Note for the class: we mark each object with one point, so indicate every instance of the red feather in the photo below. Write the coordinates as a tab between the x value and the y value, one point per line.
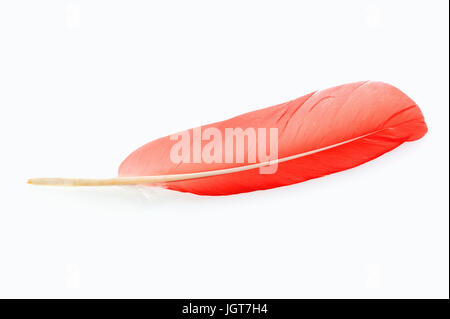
332	130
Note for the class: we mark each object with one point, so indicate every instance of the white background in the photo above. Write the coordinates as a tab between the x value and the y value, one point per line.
84	83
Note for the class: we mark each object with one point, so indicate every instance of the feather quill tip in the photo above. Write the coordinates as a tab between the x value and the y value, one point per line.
51	181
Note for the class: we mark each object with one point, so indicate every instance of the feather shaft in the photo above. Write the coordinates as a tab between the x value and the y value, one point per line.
55	181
